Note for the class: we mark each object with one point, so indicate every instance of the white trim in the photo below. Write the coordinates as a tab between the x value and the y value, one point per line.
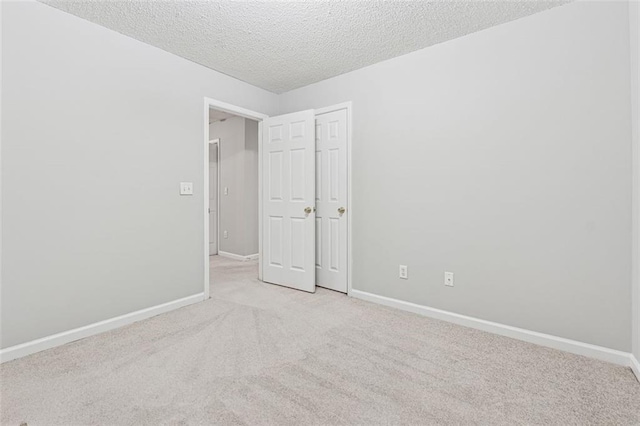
348	106
207	154
59	339
635	367
238	256
634	27
242	112
1	6
332	108
205	199
260	264
232	109
560	343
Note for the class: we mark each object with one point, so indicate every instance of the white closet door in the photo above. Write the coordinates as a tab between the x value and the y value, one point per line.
288	200
331	200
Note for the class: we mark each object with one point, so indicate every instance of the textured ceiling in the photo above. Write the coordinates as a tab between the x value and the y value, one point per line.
280	46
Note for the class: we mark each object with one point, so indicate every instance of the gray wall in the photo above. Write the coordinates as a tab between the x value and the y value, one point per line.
93	226
474	139
251	186
634	23
504	157
231	135
238	172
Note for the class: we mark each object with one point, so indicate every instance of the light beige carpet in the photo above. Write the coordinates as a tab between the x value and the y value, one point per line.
259	354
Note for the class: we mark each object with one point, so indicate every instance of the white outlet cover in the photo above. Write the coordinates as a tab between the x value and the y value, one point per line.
448	279
403	272
186	188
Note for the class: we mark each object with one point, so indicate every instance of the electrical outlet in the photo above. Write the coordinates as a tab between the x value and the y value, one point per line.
404	272
448	279
225	235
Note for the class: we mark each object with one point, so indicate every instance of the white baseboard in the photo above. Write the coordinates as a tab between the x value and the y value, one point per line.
58	339
560	343
635	367
238	256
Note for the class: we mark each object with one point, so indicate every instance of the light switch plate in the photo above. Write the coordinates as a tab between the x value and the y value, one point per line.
186	188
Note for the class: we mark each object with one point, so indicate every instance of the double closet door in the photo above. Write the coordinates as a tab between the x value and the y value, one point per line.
304	175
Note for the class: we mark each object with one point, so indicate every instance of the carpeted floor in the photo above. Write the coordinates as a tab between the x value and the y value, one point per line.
259	354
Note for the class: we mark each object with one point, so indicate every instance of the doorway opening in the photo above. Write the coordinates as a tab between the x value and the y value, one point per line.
280	192
233	199
226	178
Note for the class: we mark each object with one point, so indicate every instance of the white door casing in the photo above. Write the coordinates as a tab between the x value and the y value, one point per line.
331	200
288	175
213	198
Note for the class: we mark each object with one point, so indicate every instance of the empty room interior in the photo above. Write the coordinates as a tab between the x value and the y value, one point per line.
320	212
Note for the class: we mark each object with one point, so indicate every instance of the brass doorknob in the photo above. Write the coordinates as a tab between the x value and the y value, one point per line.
307	210
341	210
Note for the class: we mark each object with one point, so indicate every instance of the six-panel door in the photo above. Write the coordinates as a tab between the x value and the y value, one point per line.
289	198
331	200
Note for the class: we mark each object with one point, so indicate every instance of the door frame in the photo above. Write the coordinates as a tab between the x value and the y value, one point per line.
259	117
217	143
346	106
242	112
